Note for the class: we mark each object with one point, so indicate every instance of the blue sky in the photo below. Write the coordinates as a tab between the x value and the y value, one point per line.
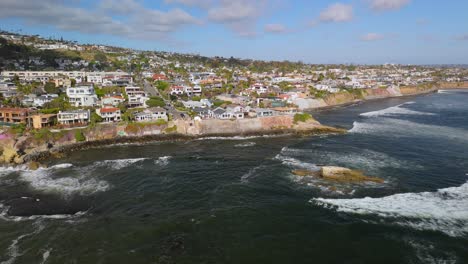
313	31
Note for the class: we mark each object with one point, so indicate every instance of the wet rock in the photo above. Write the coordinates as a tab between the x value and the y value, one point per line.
338	174
346	175
33	165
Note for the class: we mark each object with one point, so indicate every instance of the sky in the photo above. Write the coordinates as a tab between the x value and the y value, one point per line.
311	31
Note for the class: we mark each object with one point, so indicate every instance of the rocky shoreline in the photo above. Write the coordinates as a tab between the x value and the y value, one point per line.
35	157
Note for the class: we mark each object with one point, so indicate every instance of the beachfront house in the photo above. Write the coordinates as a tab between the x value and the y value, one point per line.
73	117
151	114
109	114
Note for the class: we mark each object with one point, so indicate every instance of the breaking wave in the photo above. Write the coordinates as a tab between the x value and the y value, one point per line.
405	128
119	163
245	145
162	161
395	110
445	210
6	217
292	162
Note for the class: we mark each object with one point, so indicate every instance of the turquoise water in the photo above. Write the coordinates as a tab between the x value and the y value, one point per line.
236	201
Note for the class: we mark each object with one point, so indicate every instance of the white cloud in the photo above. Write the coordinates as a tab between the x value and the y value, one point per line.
337	13
197	3
384	5
241	16
372	37
275	28
136	20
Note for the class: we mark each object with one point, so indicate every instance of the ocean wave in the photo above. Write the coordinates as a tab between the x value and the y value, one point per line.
360	159
118	163
13	250
395	110
295	163
245	145
162	161
240	137
6	217
404	128
445	210
251	173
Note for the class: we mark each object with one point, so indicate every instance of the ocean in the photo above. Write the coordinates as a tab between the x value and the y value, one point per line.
236	200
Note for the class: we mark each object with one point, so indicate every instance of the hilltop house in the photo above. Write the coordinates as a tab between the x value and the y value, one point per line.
82	95
112	100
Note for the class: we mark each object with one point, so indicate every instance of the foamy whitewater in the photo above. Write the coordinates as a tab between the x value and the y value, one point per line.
445	210
395	110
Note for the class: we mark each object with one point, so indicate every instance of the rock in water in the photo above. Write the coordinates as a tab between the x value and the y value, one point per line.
346	175
304	173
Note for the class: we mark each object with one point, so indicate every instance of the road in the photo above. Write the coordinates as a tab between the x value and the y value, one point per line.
153	91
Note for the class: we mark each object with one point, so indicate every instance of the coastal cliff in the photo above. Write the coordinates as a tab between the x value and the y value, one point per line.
345	97
42	144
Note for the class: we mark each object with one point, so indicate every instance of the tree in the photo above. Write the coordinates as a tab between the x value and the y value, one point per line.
95	118
155	101
101	57
161	85
73	82
51	88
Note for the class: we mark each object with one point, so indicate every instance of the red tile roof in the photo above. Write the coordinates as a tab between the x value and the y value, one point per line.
109	110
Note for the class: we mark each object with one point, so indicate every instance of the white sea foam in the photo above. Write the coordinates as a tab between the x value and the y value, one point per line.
4	216
162	161
445	210
292	162
13	249
46	255
119	163
405	128
245	145
395	110
251	173
240	137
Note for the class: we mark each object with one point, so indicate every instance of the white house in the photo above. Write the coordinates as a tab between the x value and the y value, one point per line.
73	117
137	100
151	114
113	100
109	114
82	95
259	88
177	90
39	101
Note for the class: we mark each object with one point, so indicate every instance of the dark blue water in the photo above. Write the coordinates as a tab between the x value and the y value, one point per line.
236	200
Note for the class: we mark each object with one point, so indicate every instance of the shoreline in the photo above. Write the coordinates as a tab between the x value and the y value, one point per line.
61	151
228	128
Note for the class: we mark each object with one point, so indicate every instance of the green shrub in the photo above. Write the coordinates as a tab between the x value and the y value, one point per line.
301	117
79	136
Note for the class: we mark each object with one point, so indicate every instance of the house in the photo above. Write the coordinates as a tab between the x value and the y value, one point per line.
74	117
137	100
261	112
259	88
82	95
134	90
203	112
39	101
177	90
235	108
112	100
195	90
159	77
109	114
218	113
14	115
43	120
151	114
